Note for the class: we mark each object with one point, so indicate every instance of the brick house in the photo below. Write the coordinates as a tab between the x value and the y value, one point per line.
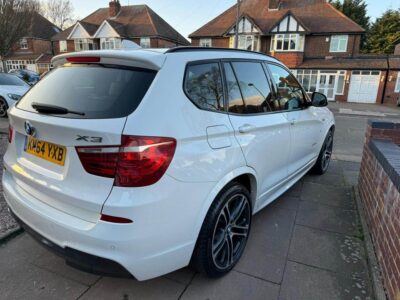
106	28
319	43
33	47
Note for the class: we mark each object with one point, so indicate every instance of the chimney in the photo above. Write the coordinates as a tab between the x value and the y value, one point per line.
274	4
114	8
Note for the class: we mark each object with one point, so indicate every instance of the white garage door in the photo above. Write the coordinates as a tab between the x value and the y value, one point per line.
364	86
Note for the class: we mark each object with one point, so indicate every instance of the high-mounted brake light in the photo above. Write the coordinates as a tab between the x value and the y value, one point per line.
83	59
117	220
10	134
139	161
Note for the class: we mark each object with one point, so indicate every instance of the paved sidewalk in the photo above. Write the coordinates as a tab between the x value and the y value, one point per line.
306	245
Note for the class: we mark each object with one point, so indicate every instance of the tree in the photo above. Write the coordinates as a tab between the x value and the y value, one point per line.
15	22
60	12
355	10
384	32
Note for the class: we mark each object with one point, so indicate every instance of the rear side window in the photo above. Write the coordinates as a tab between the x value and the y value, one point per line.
203	85
96	91
254	87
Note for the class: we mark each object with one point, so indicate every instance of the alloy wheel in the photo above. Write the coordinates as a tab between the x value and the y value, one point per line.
326	157
3	108
231	231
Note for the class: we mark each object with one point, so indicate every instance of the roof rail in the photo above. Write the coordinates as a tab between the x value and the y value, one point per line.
193	48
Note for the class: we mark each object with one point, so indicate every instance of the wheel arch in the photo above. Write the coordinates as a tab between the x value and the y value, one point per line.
245	175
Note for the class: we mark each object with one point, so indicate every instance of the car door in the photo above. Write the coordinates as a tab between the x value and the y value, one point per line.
262	132
306	123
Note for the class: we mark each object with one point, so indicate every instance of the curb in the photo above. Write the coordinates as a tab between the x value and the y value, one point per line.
4	237
374	268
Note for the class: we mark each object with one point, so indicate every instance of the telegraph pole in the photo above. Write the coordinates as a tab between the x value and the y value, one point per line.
237	25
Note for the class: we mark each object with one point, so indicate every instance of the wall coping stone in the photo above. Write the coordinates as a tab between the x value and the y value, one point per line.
379	124
388	155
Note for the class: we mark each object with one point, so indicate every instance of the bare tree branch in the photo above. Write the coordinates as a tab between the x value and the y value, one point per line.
60	12
15	22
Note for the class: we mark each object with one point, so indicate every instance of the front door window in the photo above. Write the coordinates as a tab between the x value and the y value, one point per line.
327	85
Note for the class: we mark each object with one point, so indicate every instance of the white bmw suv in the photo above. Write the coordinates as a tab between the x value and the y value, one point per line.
138	163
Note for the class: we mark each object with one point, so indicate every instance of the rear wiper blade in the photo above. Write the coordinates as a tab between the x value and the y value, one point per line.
52	109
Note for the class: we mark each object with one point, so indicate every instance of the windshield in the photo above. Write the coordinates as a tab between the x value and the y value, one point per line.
97	92
11	80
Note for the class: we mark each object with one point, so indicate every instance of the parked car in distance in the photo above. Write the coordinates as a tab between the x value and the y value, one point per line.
27	75
12	88
142	162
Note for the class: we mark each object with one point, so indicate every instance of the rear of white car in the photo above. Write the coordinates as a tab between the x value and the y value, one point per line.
113	167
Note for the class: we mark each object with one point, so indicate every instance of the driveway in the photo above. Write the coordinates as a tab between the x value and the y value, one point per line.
306	245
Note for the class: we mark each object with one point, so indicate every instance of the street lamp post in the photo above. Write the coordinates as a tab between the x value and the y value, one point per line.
237	25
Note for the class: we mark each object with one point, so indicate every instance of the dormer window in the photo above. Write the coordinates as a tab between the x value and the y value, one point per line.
23	43
287	42
339	43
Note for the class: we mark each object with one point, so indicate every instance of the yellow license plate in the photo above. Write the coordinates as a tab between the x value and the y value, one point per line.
45	150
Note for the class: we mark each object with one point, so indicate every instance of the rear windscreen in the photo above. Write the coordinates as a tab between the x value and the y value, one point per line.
97	92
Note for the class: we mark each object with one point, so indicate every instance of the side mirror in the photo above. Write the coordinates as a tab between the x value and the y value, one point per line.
319	100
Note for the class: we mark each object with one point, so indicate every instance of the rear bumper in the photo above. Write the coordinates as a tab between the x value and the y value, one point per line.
160	240
77	259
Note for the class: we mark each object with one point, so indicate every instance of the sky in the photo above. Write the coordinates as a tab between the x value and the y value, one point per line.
188	15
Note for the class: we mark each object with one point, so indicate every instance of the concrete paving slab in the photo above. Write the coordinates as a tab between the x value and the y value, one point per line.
303	282
258	263
329	179
234	286
115	288
57	265
329	251
329	195
25	281
285	202
295	191
272	230
20	249
327	217
183	276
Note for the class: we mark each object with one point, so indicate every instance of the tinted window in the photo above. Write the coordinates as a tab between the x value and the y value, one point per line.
289	92
98	92
203	85
11	80
235	100
255	89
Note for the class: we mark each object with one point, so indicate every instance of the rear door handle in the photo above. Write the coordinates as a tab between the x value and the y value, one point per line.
246	128
293	122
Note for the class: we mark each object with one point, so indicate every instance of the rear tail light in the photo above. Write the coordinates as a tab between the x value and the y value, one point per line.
139	161
10	134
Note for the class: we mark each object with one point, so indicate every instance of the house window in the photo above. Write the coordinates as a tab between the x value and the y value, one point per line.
248	42
397	88
145	42
205	43
110	43
308	79
63	46
287	42
23	43
339	43
84	44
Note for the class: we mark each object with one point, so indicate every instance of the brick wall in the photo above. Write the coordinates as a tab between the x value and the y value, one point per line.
219	42
319	45
397	49
290	59
391	96
379	187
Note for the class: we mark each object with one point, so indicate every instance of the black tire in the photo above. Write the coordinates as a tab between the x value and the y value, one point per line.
220	238
3	107
324	158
